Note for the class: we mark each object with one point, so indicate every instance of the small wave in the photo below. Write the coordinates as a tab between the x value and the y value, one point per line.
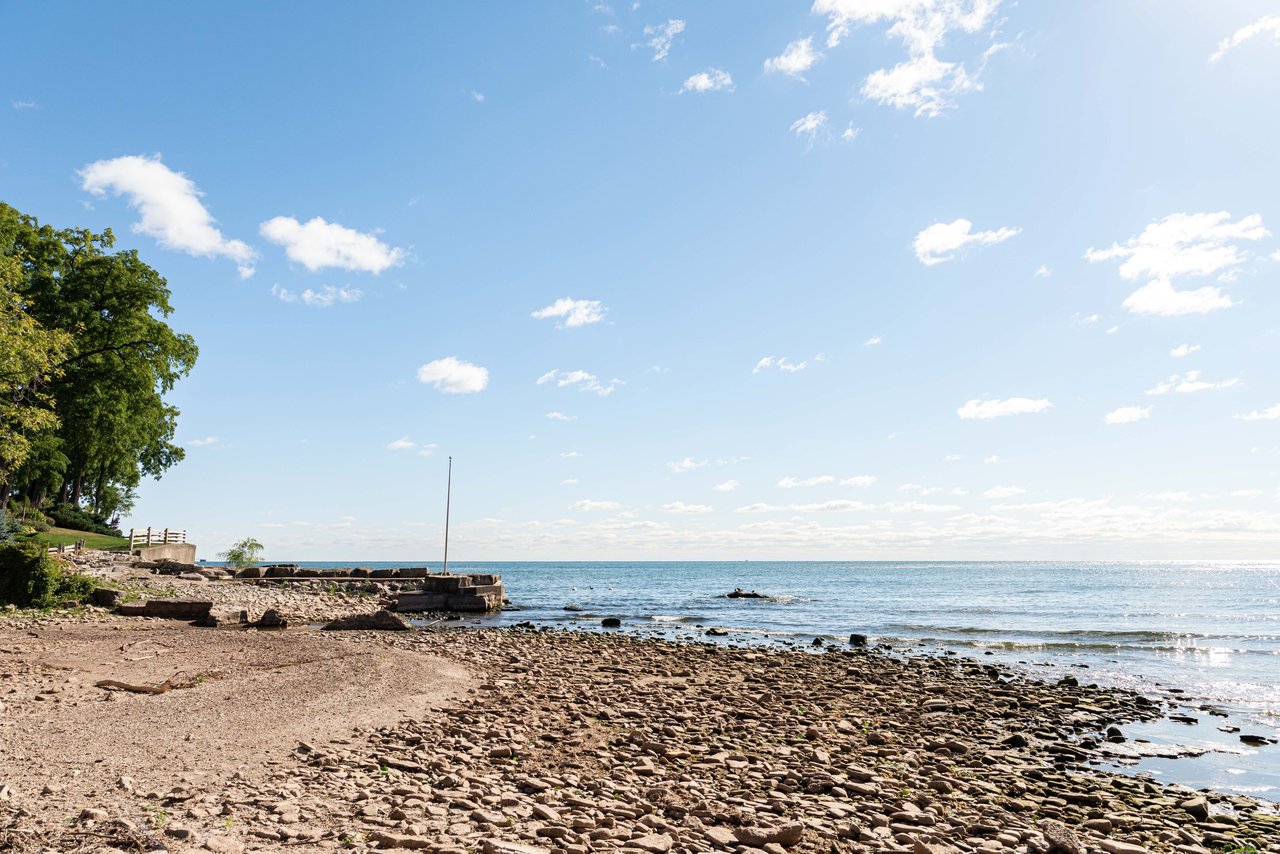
668	618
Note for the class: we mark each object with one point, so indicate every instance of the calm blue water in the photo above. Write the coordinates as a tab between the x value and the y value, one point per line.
1210	629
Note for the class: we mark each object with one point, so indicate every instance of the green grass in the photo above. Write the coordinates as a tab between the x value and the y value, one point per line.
69	537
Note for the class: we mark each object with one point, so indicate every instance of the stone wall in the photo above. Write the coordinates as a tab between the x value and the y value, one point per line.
180	552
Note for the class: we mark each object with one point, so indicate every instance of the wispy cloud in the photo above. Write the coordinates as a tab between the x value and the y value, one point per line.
1181	245
317	245
582	380
661	37
560	416
987	409
923	83
576	312
1190	382
454	376
323	298
859	480
169	203
588	504
1003	492
798	58
942	241
727	486
810	126
711	80
682	508
1184	350
687	464
793	482
1269	414
404	443
1266	25
781	363
1127	415
872	341
203	443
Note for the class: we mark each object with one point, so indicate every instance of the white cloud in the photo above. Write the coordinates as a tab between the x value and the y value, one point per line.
404	443
1003	492
569	481
1246	493
323	298
1190	382
317	244
570	455
711	80
942	240
810	125
918	489
922	82
727	486
919	507
1127	414
427	449
992	460
986	409
953	458
850	133
454	376
576	312
687	464
1160	298
779	362
478	97
583	380
872	341
588	504
24	105
792	482
560	416
1168	496
1269	414
681	507
203	443
1268	24
662	36
1182	244
838	505
1113	330
1184	350
859	480
1043	272
798	58
169	203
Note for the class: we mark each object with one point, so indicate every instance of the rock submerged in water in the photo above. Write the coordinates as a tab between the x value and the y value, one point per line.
739	593
382	620
611	623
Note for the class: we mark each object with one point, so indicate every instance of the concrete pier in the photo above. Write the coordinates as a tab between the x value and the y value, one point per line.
472	593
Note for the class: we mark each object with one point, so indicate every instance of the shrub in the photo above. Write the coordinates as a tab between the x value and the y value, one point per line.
30	578
243	554
9	527
70	516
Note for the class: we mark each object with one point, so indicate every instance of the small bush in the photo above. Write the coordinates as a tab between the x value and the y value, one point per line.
70	516
30	578
9	527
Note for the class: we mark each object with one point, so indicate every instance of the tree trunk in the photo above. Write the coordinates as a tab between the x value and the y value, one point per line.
77	488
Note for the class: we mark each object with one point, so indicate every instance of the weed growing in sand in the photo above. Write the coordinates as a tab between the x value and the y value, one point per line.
1237	847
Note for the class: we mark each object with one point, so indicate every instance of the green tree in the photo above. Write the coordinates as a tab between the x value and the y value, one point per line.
30	357
245	553
115	427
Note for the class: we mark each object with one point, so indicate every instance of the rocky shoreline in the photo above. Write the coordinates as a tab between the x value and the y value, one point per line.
572	743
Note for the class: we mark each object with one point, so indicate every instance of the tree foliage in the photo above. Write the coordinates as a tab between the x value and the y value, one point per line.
245	553
97	422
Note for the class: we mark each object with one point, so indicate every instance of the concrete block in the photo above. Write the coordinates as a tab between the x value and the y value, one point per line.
180	552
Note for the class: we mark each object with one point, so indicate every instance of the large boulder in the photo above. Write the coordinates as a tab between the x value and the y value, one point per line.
380	621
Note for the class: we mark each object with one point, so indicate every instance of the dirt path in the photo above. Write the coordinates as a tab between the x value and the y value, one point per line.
242	700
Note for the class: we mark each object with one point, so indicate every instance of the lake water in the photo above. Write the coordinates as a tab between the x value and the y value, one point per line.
1209	629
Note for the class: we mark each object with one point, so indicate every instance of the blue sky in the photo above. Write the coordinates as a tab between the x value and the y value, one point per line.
850	279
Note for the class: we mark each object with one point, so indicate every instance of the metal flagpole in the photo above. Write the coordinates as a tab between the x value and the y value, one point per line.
448	499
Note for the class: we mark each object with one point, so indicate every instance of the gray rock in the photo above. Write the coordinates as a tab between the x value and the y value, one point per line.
380	621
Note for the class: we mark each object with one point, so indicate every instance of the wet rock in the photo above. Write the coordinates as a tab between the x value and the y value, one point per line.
1197	807
382	620
611	623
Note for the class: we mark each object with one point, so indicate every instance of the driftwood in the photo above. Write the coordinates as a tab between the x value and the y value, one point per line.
112	684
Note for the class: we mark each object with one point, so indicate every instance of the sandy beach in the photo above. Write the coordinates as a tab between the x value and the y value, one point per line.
513	741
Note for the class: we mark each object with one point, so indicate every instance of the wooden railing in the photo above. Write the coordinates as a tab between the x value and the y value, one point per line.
78	546
139	537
